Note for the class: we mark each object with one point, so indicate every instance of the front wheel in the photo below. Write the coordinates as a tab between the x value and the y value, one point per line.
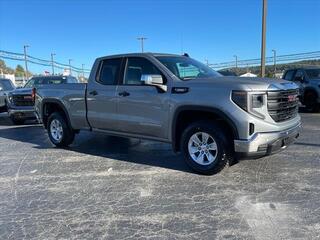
205	147
311	102
60	134
17	120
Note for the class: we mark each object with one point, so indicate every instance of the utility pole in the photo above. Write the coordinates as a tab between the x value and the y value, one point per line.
142	41
263	40
52	62
70	70
274	62
25	61
82	70
236	57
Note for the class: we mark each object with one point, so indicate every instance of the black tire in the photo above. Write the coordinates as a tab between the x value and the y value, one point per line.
224	153
67	132
17	121
310	101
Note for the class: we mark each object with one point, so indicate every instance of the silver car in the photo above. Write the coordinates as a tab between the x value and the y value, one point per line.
5	87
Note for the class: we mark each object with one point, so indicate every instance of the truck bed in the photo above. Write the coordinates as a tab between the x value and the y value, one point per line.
73	98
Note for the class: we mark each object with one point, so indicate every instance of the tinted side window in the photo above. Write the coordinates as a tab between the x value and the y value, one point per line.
289	75
109	71
299	74
136	67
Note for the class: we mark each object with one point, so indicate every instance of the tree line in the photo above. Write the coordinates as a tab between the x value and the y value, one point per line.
19	71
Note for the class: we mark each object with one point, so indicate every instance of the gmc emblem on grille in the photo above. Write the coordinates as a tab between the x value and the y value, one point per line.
292	98
27	97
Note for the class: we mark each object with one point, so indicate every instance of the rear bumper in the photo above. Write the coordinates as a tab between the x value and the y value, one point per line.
262	144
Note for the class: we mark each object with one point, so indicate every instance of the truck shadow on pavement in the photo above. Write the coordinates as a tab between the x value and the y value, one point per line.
95	144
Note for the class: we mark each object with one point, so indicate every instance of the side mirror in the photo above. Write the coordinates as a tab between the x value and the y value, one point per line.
154	80
299	79
1	88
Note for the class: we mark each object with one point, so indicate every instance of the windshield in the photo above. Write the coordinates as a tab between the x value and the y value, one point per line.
313	73
6	85
187	68
29	84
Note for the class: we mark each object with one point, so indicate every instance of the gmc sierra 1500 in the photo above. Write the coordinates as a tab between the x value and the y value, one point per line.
175	99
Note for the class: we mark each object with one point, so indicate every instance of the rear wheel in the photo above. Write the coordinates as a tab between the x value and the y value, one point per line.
311	103
60	134
205	147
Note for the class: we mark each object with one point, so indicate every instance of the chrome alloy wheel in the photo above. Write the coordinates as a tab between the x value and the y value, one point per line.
56	130
202	148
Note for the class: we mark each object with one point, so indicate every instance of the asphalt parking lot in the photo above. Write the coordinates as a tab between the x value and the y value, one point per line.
114	188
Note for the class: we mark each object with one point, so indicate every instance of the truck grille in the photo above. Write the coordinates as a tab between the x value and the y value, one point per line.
283	105
22	100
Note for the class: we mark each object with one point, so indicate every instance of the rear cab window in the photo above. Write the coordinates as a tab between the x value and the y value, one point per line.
109	70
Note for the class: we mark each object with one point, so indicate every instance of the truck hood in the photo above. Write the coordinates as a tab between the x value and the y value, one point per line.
22	91
244	83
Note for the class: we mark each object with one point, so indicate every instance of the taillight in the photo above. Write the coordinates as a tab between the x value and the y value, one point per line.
33	94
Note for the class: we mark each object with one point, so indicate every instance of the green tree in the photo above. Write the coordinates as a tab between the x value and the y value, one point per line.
19	72
4	69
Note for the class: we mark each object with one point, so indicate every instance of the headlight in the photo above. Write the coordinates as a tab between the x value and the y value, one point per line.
241	99
254	103
9	97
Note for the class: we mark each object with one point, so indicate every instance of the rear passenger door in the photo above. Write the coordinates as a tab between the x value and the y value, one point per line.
101	95
142	109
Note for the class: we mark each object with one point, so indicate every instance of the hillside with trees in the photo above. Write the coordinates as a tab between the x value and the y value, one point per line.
270	68
18	71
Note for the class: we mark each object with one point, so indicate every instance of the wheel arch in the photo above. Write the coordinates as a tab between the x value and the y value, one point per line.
205	113
308	90
53	105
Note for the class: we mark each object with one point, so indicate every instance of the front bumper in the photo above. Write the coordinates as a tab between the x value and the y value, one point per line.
267	143
25	113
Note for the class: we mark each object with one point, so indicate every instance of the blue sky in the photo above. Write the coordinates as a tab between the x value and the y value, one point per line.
206	29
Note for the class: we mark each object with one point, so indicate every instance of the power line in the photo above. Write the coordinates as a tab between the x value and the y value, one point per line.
39	61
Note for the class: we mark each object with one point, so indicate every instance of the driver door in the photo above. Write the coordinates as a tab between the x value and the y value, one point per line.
298	79
142	109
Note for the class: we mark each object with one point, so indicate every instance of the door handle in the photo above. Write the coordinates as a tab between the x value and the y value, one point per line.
124	94
94	92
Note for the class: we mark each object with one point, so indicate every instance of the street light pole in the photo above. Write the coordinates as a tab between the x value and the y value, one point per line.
263	40
82	70
70	70
142	42
274	61
236	57
52	62
25	61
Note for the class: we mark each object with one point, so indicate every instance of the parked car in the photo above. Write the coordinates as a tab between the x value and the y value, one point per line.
20	102
211	119
5	87
308	80
227	73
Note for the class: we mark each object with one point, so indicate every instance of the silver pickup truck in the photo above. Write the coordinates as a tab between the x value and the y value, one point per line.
211	119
